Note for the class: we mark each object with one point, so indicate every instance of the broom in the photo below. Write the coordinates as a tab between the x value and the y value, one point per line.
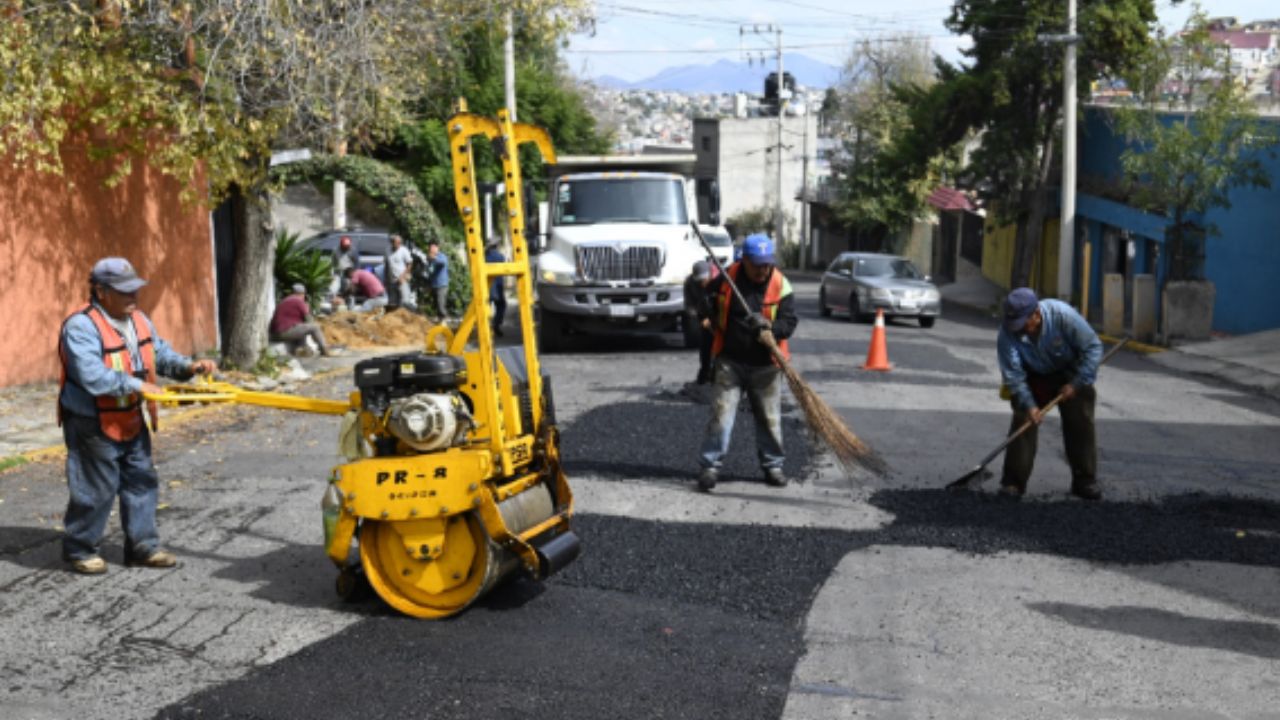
849	449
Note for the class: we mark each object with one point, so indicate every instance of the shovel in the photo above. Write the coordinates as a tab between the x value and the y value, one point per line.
977	472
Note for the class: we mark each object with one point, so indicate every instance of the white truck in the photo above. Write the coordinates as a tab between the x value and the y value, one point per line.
618	245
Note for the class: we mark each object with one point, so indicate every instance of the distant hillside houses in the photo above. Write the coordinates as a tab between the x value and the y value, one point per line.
640	118
1255	54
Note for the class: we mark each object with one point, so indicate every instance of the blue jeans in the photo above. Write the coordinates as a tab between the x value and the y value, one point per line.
99	469
764	391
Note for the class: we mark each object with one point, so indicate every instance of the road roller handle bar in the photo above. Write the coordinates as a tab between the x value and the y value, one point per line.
209	392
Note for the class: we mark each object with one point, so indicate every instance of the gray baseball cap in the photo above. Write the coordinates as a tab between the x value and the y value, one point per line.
117	274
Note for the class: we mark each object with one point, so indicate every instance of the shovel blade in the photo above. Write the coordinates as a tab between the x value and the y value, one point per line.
962	483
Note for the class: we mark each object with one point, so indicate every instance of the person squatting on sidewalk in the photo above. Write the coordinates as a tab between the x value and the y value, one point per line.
292	322
110	355
1045	347
743	361
362	283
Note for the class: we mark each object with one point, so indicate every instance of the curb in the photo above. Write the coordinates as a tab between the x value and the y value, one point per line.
1133	345
177	419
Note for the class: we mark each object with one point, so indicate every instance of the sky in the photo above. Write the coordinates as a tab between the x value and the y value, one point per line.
635	39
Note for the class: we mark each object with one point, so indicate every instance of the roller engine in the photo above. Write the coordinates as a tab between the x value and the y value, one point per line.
418	393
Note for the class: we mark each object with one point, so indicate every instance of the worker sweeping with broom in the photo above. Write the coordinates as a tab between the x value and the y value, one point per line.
743	359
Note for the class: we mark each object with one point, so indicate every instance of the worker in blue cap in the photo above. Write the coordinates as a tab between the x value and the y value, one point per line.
1045	348
742	359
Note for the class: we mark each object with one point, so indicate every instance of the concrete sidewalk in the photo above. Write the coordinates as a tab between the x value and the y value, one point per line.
1250	362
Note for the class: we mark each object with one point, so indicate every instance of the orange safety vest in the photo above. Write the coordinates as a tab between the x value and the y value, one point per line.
773	293
119	416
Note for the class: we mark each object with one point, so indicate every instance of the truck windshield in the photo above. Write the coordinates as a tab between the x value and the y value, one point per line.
620	200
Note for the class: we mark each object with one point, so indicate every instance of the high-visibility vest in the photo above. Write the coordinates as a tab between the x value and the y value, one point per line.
778	288
120	417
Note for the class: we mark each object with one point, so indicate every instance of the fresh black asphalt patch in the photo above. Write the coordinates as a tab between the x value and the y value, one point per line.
674	620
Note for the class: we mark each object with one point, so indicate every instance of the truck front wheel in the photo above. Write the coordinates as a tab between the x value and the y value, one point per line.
550	331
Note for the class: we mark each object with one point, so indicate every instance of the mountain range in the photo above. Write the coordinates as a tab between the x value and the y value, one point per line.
726	76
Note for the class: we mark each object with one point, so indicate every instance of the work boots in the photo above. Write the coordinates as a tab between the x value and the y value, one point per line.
1088	490
773	476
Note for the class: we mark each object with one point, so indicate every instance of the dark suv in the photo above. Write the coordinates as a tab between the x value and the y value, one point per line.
372	246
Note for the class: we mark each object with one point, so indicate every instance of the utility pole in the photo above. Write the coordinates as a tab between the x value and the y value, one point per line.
804	202
1067	218
783	95
509	65
1067	224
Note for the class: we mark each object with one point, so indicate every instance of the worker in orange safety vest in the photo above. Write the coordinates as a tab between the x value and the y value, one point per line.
111	355
743	361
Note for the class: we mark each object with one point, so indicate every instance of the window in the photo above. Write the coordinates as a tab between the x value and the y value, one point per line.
587	201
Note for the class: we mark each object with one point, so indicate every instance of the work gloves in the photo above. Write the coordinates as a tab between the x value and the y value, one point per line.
761	328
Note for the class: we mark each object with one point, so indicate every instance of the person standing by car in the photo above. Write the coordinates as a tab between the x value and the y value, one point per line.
497	287
399	266
362	283
697	316
743	360
438	278
345	256
1045	347
110	355
292	322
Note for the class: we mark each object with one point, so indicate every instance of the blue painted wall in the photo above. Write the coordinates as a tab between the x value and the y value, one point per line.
1243	261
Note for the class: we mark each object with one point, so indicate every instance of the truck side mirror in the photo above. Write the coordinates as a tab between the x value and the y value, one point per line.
532	228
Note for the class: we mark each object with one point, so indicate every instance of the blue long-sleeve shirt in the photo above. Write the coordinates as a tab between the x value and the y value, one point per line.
1066	344
88	376
438	270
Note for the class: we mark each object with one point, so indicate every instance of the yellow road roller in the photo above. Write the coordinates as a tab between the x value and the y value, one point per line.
453	479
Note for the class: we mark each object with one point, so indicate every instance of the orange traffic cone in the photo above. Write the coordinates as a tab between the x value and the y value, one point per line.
878	353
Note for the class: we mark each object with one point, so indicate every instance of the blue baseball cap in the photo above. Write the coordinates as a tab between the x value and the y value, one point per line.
758	248
1018	306
117	274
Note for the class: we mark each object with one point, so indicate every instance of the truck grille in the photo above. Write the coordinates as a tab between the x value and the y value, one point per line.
637	262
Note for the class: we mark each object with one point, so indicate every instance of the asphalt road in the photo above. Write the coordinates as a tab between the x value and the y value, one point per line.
834	597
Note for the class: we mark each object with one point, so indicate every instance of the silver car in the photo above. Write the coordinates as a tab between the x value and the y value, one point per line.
861	283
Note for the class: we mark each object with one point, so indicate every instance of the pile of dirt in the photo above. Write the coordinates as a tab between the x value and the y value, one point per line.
397	327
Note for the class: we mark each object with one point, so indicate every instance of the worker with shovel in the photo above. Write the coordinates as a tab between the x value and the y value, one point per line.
1047	349
742	358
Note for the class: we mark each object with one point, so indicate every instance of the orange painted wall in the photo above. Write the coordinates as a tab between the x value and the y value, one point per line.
52	233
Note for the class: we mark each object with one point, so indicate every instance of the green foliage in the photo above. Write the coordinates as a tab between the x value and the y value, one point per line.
293	265
1185	162
1008	93
12	461
395	192
752	220
546	96
870	112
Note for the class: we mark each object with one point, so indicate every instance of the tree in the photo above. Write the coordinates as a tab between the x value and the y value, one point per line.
546	95
1194	138
209	88
1010	93
875	198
